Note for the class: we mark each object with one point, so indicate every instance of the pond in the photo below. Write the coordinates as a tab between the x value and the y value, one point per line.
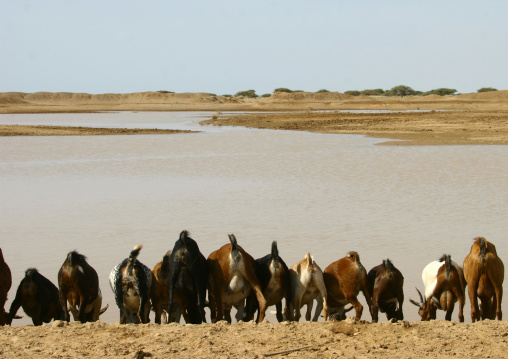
319	193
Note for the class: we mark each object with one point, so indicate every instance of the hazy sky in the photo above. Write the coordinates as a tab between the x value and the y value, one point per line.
223	47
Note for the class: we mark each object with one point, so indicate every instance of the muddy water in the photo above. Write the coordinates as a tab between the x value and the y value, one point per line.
327	194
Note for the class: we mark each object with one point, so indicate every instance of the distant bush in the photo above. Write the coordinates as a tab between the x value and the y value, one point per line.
266	95
374	92
321	91
486	89
212	94
352	93
440	91
247	93
298	91
164	91
401	90
227	95
282	89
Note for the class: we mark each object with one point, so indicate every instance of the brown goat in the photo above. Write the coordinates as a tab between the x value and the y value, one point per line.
484	274
79	285
159	294
344	279
230	280
444	286
386	285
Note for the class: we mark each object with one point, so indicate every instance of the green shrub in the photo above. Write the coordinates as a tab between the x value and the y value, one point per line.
440	91
353	93
227	95
374	92
282	89
164	91
266	95
247	93
321	91
486	89
401	90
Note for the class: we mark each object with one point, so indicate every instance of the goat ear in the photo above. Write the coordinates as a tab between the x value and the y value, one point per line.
413	302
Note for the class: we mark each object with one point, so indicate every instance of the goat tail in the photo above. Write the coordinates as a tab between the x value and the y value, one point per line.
388	267
356	258
165	264
310	261
235	253
183	237
448	262
132	258
483	250
275	250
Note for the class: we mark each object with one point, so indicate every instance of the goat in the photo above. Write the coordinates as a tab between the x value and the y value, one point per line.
344	279
38	297
231	278
188	271
484	274
275	281
386	285
444	286
131	282
5	285
78	284
307	285
159	294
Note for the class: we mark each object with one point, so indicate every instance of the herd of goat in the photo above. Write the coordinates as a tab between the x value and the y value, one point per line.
177	286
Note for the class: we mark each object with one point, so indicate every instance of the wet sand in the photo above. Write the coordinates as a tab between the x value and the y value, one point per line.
469	119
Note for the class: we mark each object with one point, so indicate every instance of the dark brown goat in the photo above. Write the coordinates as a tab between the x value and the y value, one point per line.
160	294
5	285
386	285
79	286
484	274
344	279
231	278
38	297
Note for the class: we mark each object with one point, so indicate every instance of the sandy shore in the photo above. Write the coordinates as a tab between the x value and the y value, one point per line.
439	339
17	130
480	119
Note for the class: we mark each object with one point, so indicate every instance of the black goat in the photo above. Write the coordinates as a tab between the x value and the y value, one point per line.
273	275
188	273
38	297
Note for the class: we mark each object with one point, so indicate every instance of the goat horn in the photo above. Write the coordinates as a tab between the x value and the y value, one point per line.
104	309
421	297
413	302
348	309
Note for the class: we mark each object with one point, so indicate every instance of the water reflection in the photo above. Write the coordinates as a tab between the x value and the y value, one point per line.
327	194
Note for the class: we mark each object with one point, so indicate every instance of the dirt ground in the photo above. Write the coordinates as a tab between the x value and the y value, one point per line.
350	339
480	118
